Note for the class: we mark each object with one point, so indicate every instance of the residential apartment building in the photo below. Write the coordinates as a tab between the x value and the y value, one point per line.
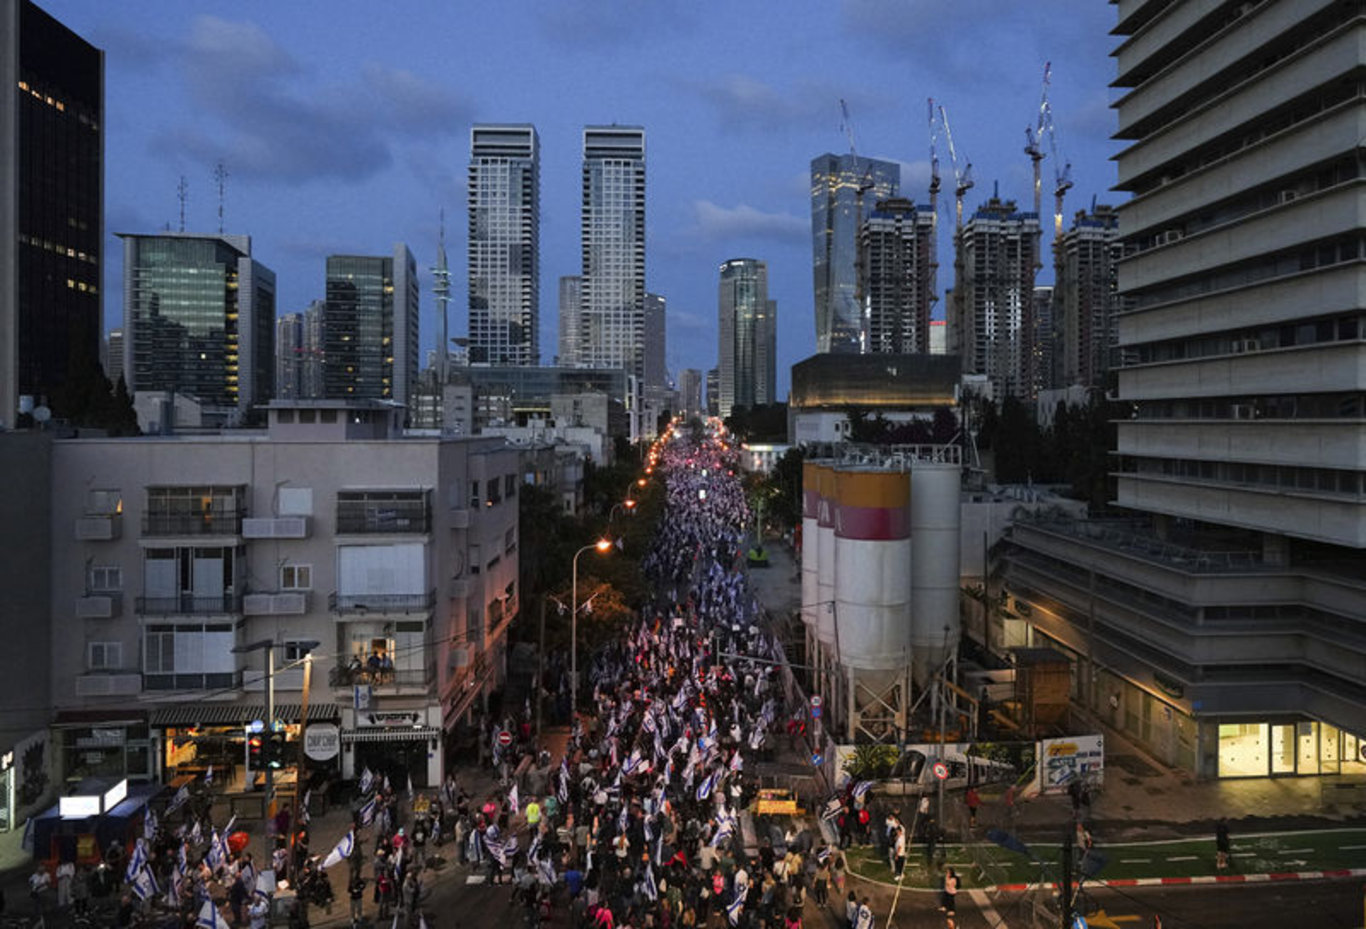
747	337
198	319
992	326
690	392
844	189
896	250
612	242
1222	625
656	376
326	527
503	250
370	327
51	205
1086	297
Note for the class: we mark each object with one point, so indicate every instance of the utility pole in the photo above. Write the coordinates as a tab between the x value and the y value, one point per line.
300	754
1065	884
540	670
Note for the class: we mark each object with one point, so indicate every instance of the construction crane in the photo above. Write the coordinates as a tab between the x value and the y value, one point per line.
962	177
1034	137
934	208
1062	174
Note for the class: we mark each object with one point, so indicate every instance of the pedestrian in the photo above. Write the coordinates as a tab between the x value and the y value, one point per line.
949	894
356	890
865	916
259	912
899	853
822	883
1010	804
1221	844
851	910
973	801
38	882
66	873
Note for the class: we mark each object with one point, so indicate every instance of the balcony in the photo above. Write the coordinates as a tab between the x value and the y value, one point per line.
389	678
109	684
188	605
175	525
99	527
286	603
383	513
363	604
100	606
279	527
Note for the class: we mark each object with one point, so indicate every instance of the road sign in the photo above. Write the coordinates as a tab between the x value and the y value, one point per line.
504	738
1079	923
817	759
941	770
816	701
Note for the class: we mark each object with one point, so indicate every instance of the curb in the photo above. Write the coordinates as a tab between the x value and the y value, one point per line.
1335	874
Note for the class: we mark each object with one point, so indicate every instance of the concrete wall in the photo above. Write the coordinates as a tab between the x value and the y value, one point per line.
26	540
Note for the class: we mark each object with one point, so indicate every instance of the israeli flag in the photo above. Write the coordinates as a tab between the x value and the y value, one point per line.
562	792
736	761
208	917
182	863
823	854
649	830
304	816
708	784
648	723
145	883
341	851
181	797
265	883
545	871
632	763
208	777
651	888
514	800
135	861
367	811
680	700
367	781
756	738
502	852
734	908
149	825
724	830
832	809
227	830
861	788
214	856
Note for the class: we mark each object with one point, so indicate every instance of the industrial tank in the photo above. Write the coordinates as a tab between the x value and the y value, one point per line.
872	572
810	545
936	517
825	554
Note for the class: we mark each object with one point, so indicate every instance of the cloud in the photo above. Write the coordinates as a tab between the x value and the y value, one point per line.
604	23
717	222
262	116
744	102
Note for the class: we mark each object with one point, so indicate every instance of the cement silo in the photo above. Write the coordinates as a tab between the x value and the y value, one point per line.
810	549
873	562
936	517
825	556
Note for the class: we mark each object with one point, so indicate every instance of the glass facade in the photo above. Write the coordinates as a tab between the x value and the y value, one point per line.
612	241
370	327
836	204
747	329
1300	748
200	317
51	310
503	250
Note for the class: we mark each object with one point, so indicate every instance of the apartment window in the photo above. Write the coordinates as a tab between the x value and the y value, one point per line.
103	656
105	578
188	656
384	511
510	540
104	502
476	562
295	651
296	577
474	493
295	501
510	486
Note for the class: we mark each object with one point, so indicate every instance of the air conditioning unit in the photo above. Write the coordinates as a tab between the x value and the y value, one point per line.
1288	195
460	657
1168	236
1244	411
1241	346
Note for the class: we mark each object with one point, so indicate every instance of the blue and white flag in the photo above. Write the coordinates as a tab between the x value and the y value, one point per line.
216	855
562	791
861	788
651	888
208	777
823	854
265	883
227	830
367	810
208	917
181	797
145	883
734	907
632	763
149	825
545	871
502	851
708	784
341	851
304	817
724	830
135	861
514	800
367	781
737	761
182	859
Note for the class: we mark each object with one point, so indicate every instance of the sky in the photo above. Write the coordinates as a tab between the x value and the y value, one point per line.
344	126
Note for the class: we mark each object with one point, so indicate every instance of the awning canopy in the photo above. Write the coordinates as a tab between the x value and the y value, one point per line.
237	714
396	734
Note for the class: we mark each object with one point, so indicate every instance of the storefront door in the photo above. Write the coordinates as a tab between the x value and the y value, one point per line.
1283	745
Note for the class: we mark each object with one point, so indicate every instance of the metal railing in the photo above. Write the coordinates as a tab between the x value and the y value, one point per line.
378	677
381	603
1127	536
212	522
356	518
189	604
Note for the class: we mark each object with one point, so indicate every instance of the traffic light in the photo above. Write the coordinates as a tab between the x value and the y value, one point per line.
254	753
275	750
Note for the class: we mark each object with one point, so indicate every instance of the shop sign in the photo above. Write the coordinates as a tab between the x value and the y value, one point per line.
322	741
399	718
7	760
1062	761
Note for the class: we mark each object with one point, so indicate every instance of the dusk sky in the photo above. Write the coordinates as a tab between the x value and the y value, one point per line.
344	126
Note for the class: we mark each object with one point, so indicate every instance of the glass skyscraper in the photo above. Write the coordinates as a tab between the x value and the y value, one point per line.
747	345
503	250
199	318
612	231
835	184
370	326
51	203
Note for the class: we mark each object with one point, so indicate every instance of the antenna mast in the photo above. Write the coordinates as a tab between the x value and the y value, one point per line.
182	192
441	287
220	176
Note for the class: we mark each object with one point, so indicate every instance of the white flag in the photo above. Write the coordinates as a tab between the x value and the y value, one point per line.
341	851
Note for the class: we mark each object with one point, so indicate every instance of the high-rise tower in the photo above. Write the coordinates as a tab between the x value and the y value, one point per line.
896	248
612	229
841	186
1086	297
199	318
747	345
51	204
370	326
504	250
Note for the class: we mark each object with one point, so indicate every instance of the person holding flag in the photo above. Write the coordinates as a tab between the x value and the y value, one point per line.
342	851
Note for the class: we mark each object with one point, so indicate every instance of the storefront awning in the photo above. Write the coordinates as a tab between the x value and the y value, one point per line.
233	714
395	734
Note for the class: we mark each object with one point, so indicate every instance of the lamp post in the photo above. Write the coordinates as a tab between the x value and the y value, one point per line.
602	546
628	505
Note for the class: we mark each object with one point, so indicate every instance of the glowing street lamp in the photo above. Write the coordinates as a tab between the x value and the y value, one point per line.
602	547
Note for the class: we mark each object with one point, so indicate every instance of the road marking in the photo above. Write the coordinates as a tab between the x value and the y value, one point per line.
474	879
1135	861
1103	920
1351	848
1184	858
1295	851
983	904
1244	855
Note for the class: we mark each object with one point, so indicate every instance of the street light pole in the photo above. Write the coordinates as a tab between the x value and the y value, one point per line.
602	546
